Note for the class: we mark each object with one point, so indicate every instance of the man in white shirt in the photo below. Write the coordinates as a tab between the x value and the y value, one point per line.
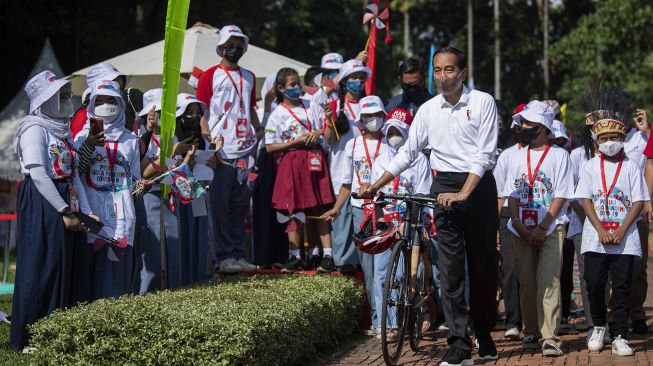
461	127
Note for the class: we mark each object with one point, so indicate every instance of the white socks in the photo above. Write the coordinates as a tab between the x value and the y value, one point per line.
328	251
294	253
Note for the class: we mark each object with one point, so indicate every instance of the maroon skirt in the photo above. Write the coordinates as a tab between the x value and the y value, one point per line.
297	187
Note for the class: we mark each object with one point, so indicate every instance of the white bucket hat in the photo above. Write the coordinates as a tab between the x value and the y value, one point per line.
331	61
151	98
353	66
370	105
537	112
229	31
105	87
104	71
558	130
42	87
183	100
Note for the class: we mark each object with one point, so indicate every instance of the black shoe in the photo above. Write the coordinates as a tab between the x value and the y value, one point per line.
458	357
314	262
486	348
347	268
639	327
327	264
292	265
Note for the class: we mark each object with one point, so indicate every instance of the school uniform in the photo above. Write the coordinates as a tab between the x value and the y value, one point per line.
624	182
45	250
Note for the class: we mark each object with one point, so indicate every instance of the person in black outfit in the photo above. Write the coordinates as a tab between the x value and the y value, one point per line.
411	75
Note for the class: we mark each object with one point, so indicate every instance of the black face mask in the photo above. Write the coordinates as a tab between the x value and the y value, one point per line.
415	93
233	54
527	135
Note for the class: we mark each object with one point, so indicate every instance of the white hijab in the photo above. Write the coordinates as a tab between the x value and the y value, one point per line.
48	117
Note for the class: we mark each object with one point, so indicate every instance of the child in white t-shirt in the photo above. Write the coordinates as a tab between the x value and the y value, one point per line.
539	183
613	191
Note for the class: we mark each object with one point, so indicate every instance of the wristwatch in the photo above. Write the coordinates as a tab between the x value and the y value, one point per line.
65	211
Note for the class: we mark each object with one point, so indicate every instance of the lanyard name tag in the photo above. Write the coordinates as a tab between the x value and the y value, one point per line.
611	226
529	218
241	127
315	160
74	200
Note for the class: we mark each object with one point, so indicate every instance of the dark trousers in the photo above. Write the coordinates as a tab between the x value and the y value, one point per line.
467	228
567	277
509	284
620	267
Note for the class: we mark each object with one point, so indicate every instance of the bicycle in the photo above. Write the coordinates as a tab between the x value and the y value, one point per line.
406	297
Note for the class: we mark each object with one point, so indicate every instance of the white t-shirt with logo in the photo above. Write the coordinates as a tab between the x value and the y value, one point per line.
500	171
282	127
554	179
629	188
578	160
359	168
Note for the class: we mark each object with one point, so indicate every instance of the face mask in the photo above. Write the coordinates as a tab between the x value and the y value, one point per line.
233	54
529	134
354	85
373	124
332	74
395	141
66	107
107	111
611	148
450	86
293	93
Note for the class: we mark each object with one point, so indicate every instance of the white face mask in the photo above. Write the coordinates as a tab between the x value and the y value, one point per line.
611	148
108	111
395	141
373	124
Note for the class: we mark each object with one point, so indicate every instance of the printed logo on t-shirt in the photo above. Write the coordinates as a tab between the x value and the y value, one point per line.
61	159
540	196
618	206
394	212
292	132
100	178
363	170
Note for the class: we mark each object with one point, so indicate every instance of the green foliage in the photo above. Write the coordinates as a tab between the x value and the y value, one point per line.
613	41
244	321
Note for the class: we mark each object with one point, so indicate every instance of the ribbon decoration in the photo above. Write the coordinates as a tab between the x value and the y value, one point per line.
173	45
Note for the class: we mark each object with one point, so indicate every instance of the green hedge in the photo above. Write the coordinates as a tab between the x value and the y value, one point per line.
242	321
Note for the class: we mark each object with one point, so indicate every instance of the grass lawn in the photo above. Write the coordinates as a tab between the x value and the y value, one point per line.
12	269
8	357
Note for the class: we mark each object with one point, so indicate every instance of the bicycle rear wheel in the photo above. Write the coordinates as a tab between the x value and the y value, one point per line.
395	313
423	304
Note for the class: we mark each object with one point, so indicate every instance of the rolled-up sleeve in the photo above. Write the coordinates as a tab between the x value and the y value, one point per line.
488	129
417	139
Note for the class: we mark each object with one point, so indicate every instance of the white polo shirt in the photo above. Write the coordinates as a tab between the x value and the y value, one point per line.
463	137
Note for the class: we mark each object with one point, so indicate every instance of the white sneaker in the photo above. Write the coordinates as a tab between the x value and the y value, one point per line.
230	265
595	338
512	334
245	265
620	347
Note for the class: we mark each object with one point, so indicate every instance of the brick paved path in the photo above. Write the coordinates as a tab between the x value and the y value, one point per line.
367	351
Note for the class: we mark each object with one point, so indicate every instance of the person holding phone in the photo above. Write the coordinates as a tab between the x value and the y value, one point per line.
46	203
108	183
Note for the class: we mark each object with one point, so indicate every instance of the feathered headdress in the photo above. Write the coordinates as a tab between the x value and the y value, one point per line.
606	110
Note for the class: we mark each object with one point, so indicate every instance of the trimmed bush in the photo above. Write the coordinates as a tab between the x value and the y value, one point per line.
243	321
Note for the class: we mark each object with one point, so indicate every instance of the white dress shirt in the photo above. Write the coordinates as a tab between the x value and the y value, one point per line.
463	137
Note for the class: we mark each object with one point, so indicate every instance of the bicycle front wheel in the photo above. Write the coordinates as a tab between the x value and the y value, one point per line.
395	311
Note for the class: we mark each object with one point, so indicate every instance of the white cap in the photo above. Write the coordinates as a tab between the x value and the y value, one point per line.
370	105
103	71
537	112
400	119
229	31
558	130
105	87
85	94
353	66
331	61
151	98
42	87
183	100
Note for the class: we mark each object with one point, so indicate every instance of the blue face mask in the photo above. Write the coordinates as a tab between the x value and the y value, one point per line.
332	74
293	93
354	85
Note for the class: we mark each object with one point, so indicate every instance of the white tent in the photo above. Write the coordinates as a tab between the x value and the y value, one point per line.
145	65
18	108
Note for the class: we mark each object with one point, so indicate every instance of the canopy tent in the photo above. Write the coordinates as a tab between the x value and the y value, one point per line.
145	65
18	108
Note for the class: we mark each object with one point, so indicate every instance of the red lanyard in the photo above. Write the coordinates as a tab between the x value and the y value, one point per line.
531	175
112	159
351	111
395	185
367	155
72	157
607	191
156	141
238	93
308	123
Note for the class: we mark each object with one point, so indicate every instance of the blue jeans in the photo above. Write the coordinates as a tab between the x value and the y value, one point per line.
367	262
344	250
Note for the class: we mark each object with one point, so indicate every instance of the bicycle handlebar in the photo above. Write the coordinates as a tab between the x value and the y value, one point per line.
404	197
